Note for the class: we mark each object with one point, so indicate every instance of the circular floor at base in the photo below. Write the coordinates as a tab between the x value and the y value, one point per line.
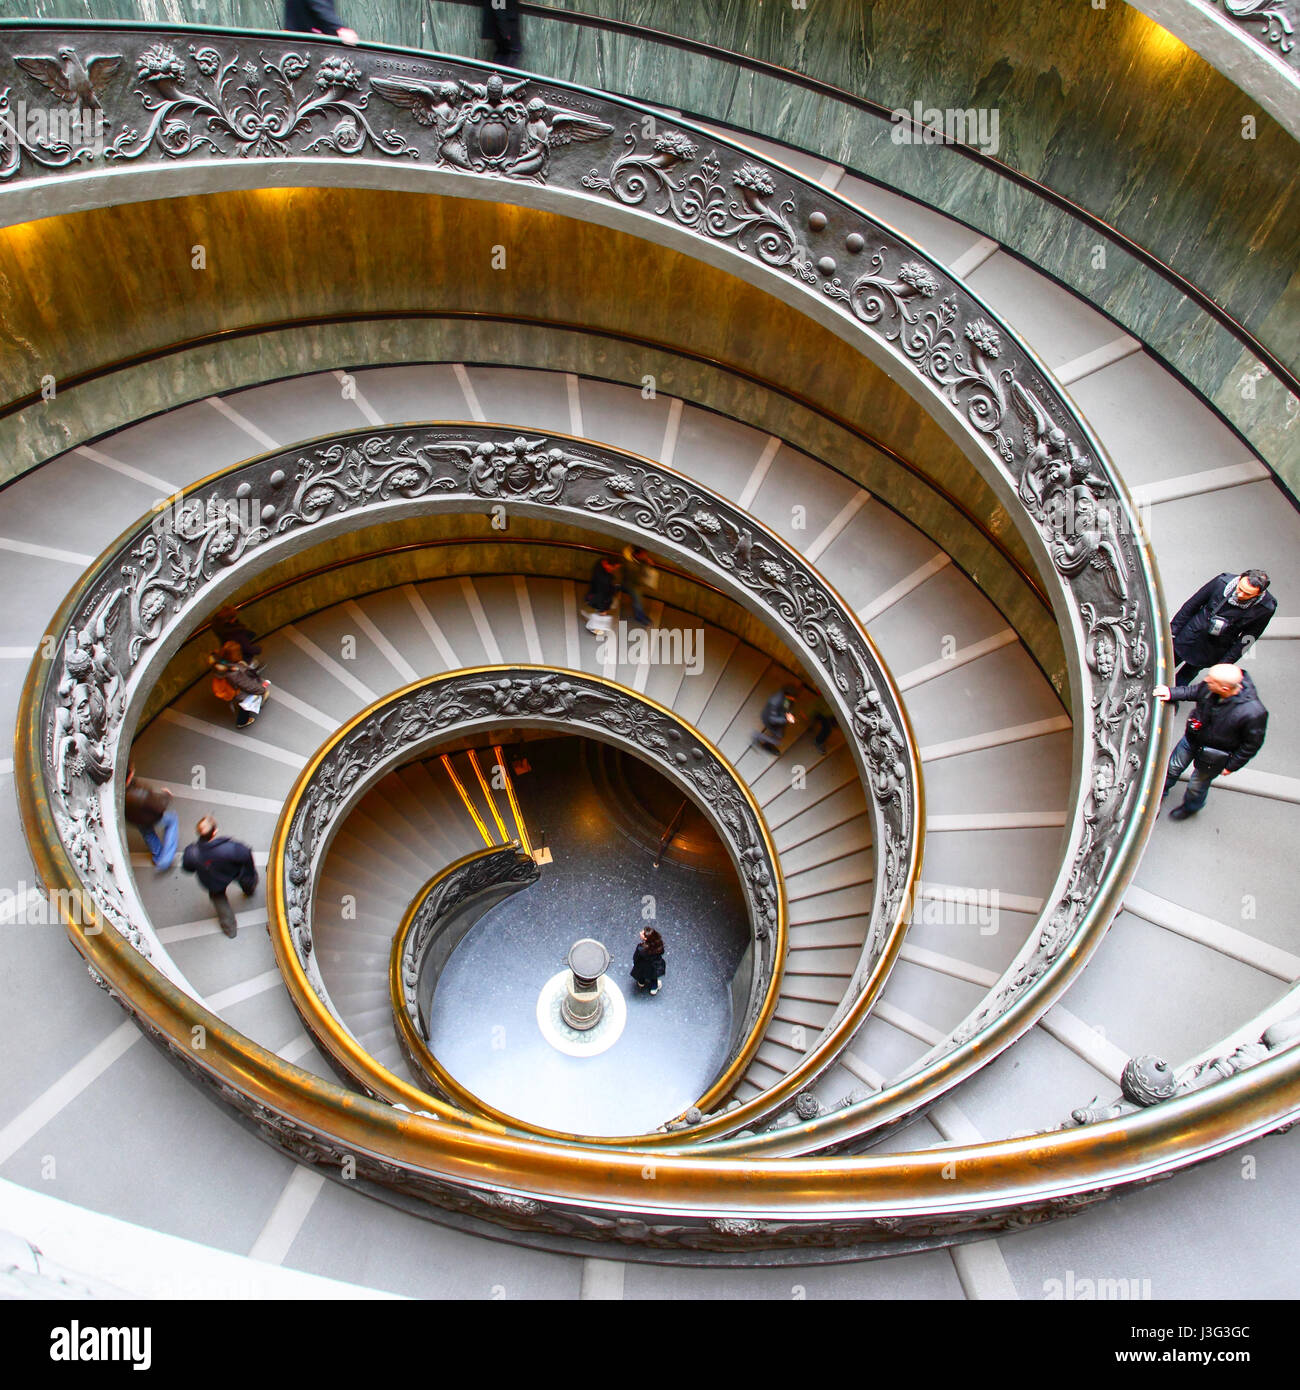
483	1020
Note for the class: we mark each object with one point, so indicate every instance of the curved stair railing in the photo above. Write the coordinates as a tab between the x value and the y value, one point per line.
407	726
141	601
901	309
439	917
178	129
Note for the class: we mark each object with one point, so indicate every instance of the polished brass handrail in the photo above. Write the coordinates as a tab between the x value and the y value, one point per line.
378	1080
408	1034
956	372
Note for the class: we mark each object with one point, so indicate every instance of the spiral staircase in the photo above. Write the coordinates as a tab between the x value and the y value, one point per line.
877	1058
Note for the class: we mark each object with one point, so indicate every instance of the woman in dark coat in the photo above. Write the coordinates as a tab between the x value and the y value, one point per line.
648	960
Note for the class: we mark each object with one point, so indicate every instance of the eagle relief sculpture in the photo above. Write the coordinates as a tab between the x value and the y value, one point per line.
484	126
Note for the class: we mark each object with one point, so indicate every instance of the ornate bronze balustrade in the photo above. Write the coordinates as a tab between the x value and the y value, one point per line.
140	603
195	110
408	725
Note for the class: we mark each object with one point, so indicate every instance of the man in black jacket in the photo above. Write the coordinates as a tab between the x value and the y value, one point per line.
1220	621
1223	733
220	861
316	17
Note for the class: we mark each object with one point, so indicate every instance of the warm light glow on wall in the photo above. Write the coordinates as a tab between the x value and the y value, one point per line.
1160	46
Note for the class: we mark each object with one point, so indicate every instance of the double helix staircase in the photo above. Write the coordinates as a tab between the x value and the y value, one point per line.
1202	951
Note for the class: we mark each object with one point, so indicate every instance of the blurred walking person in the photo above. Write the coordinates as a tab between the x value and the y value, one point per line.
778	715
219	861
148	810
602	595
316	17
238	684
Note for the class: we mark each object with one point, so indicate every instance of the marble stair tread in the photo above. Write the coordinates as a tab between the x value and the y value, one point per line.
500	604
1153	427
735	687
842	931
768	777
885	1049
445	601
281	722
800	498
33	585
777	1055
536	401
835	906
984	934
622	416
432	808
941	999
944	613
421	391
366	831
1033	1085
719	452
811	1013
696	691
824	989
224	756
845	872
436	791
292	670
999	690
546	602
874	556
825	777
365	872
831	961
108	500
851	839
183	445
1032	775
763	1075
1019	861
1196	538
793	1039
1115	996
817	820
392	613
351	657
298	408
1056	323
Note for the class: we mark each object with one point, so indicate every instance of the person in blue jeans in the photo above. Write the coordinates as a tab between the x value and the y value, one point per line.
147	809
1223	733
